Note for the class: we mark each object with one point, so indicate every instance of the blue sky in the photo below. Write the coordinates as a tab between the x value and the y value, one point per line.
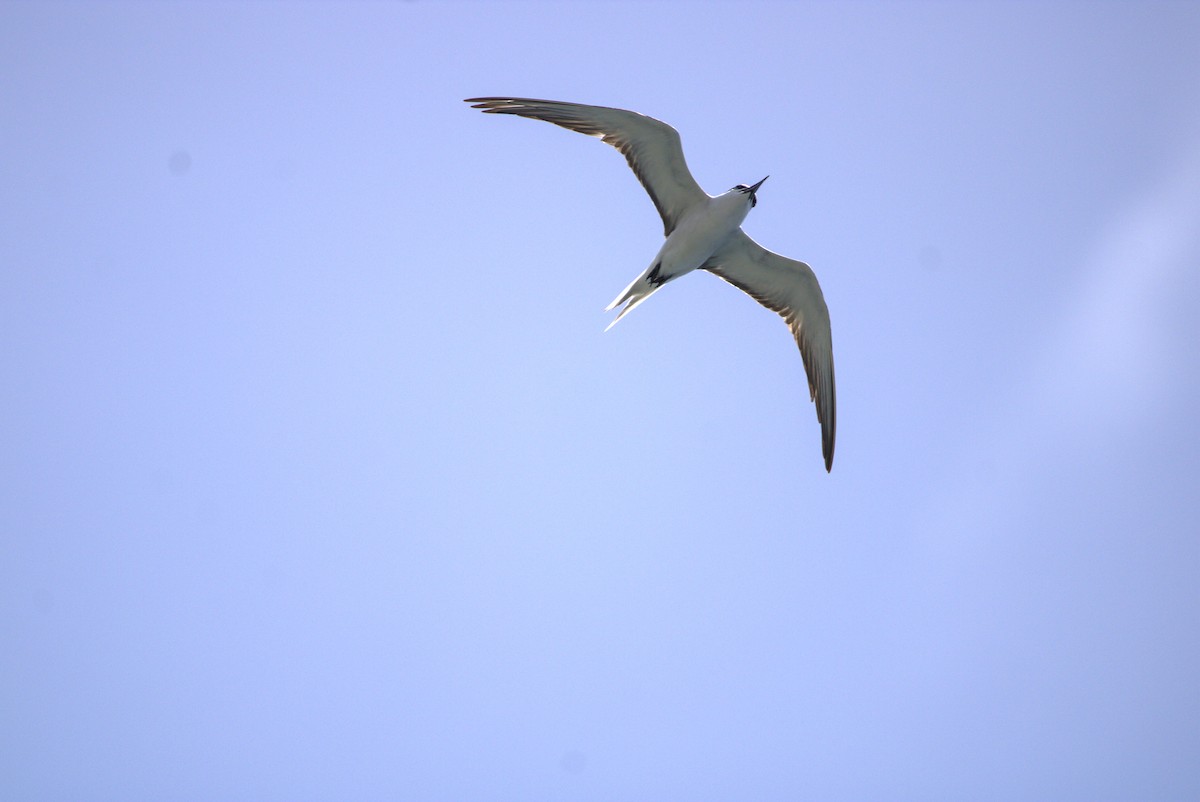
320	479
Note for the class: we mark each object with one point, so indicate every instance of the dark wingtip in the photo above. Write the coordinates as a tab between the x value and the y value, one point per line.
485	103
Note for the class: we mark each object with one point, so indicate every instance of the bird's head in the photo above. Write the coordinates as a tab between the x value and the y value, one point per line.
750	190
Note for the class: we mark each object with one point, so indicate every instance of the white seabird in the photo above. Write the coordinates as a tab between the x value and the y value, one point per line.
703	232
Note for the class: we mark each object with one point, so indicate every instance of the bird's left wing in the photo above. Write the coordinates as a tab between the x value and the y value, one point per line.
789	288
651	147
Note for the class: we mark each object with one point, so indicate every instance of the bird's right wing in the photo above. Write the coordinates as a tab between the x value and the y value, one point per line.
789	288
652	147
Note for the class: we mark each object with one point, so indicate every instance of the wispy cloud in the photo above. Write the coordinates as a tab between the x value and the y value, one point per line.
1110	357
1106	366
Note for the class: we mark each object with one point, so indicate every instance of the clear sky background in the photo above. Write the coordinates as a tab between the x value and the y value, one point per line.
320	480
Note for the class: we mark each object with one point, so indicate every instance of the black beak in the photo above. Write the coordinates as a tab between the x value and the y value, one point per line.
754	188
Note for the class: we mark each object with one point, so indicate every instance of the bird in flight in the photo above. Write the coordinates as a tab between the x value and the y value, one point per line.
703	232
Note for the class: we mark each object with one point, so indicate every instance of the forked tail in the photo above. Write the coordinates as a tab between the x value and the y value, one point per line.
642	288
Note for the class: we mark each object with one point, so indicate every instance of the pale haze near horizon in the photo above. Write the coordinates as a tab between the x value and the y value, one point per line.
320	479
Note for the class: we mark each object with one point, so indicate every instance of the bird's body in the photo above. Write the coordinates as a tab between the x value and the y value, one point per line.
702	232
702	228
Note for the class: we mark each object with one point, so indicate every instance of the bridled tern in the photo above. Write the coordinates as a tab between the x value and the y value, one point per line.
703	232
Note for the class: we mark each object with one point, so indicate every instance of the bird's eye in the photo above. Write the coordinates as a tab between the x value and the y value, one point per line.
741	187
